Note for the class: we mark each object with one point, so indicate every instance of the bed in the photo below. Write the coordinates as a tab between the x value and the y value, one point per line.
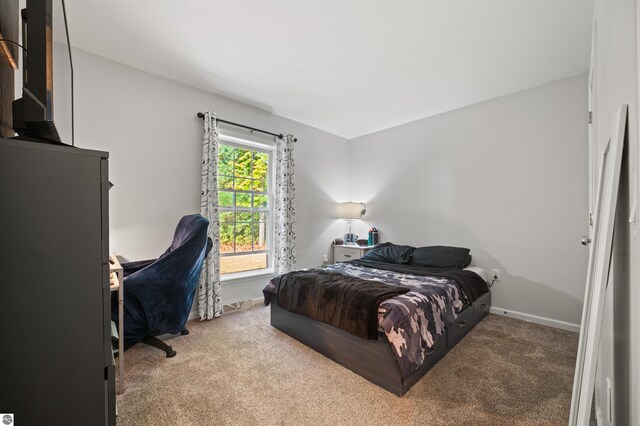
429	310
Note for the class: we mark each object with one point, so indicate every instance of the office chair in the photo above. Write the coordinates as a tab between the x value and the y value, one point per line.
158	293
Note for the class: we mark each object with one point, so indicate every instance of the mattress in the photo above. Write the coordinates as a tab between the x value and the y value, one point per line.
478	270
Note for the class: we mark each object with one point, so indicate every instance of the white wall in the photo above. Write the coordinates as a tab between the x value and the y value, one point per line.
149	126
617	83
492	176
506	178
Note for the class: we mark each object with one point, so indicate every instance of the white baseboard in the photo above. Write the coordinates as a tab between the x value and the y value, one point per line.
232	307
536	319
236	306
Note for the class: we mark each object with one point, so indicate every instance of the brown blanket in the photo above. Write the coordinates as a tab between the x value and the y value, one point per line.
345	302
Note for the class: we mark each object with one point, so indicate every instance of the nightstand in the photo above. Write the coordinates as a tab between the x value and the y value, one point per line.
343	253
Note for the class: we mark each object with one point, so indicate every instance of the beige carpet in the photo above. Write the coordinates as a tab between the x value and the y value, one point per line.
239	370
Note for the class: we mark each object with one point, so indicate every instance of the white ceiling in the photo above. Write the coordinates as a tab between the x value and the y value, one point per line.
347	67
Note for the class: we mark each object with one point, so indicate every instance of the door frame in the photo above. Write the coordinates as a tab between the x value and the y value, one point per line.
592	100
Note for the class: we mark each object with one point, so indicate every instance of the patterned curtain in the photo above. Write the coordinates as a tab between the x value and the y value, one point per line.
209	304
285	206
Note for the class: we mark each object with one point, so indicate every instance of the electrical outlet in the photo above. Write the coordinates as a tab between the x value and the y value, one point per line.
325	258
495	274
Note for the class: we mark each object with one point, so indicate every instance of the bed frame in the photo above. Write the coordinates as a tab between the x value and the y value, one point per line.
373	359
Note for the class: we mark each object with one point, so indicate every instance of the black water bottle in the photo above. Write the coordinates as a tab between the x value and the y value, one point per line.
374	237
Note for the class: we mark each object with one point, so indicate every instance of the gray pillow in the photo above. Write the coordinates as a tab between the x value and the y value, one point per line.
441	257
389	253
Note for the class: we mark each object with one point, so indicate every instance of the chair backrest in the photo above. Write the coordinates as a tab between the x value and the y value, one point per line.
158	298
189	230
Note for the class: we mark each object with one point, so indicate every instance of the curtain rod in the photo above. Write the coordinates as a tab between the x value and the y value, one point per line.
253	129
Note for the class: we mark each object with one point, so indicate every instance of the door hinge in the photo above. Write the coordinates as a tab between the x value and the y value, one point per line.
590	117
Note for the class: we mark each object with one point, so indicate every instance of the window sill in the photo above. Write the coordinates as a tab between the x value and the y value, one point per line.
236	276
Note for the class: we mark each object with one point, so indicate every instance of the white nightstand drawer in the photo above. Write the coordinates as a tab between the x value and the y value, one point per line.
343	255
346	253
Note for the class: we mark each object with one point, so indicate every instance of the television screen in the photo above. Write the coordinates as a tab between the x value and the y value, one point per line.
45	110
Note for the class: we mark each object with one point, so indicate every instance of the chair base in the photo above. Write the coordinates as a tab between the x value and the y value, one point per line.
157	343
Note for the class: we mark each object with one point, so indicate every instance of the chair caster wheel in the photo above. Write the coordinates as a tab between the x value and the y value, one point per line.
170	352
184	332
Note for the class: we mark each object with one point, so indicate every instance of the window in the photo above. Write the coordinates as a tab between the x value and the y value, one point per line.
244	195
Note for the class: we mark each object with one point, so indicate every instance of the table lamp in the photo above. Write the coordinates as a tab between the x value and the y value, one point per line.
351	211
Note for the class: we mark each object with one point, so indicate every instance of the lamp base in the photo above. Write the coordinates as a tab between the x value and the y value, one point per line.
350	238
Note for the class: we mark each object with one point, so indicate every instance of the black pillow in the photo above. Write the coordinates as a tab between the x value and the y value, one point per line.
390	253
441	257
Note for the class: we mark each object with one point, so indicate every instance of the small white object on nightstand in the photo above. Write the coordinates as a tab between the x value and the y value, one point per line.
346	252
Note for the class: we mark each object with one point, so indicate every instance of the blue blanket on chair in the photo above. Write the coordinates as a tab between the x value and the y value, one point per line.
158	294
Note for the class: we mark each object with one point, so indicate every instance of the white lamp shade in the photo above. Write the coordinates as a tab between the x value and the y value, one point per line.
351	210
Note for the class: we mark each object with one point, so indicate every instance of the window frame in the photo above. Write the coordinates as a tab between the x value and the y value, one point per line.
270	150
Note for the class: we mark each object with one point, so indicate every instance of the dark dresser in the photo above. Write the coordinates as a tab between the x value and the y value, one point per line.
56	365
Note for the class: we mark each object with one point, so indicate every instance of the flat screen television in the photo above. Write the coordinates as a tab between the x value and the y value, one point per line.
45	110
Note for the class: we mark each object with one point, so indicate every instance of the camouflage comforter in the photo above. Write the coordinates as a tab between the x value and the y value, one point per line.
410	321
